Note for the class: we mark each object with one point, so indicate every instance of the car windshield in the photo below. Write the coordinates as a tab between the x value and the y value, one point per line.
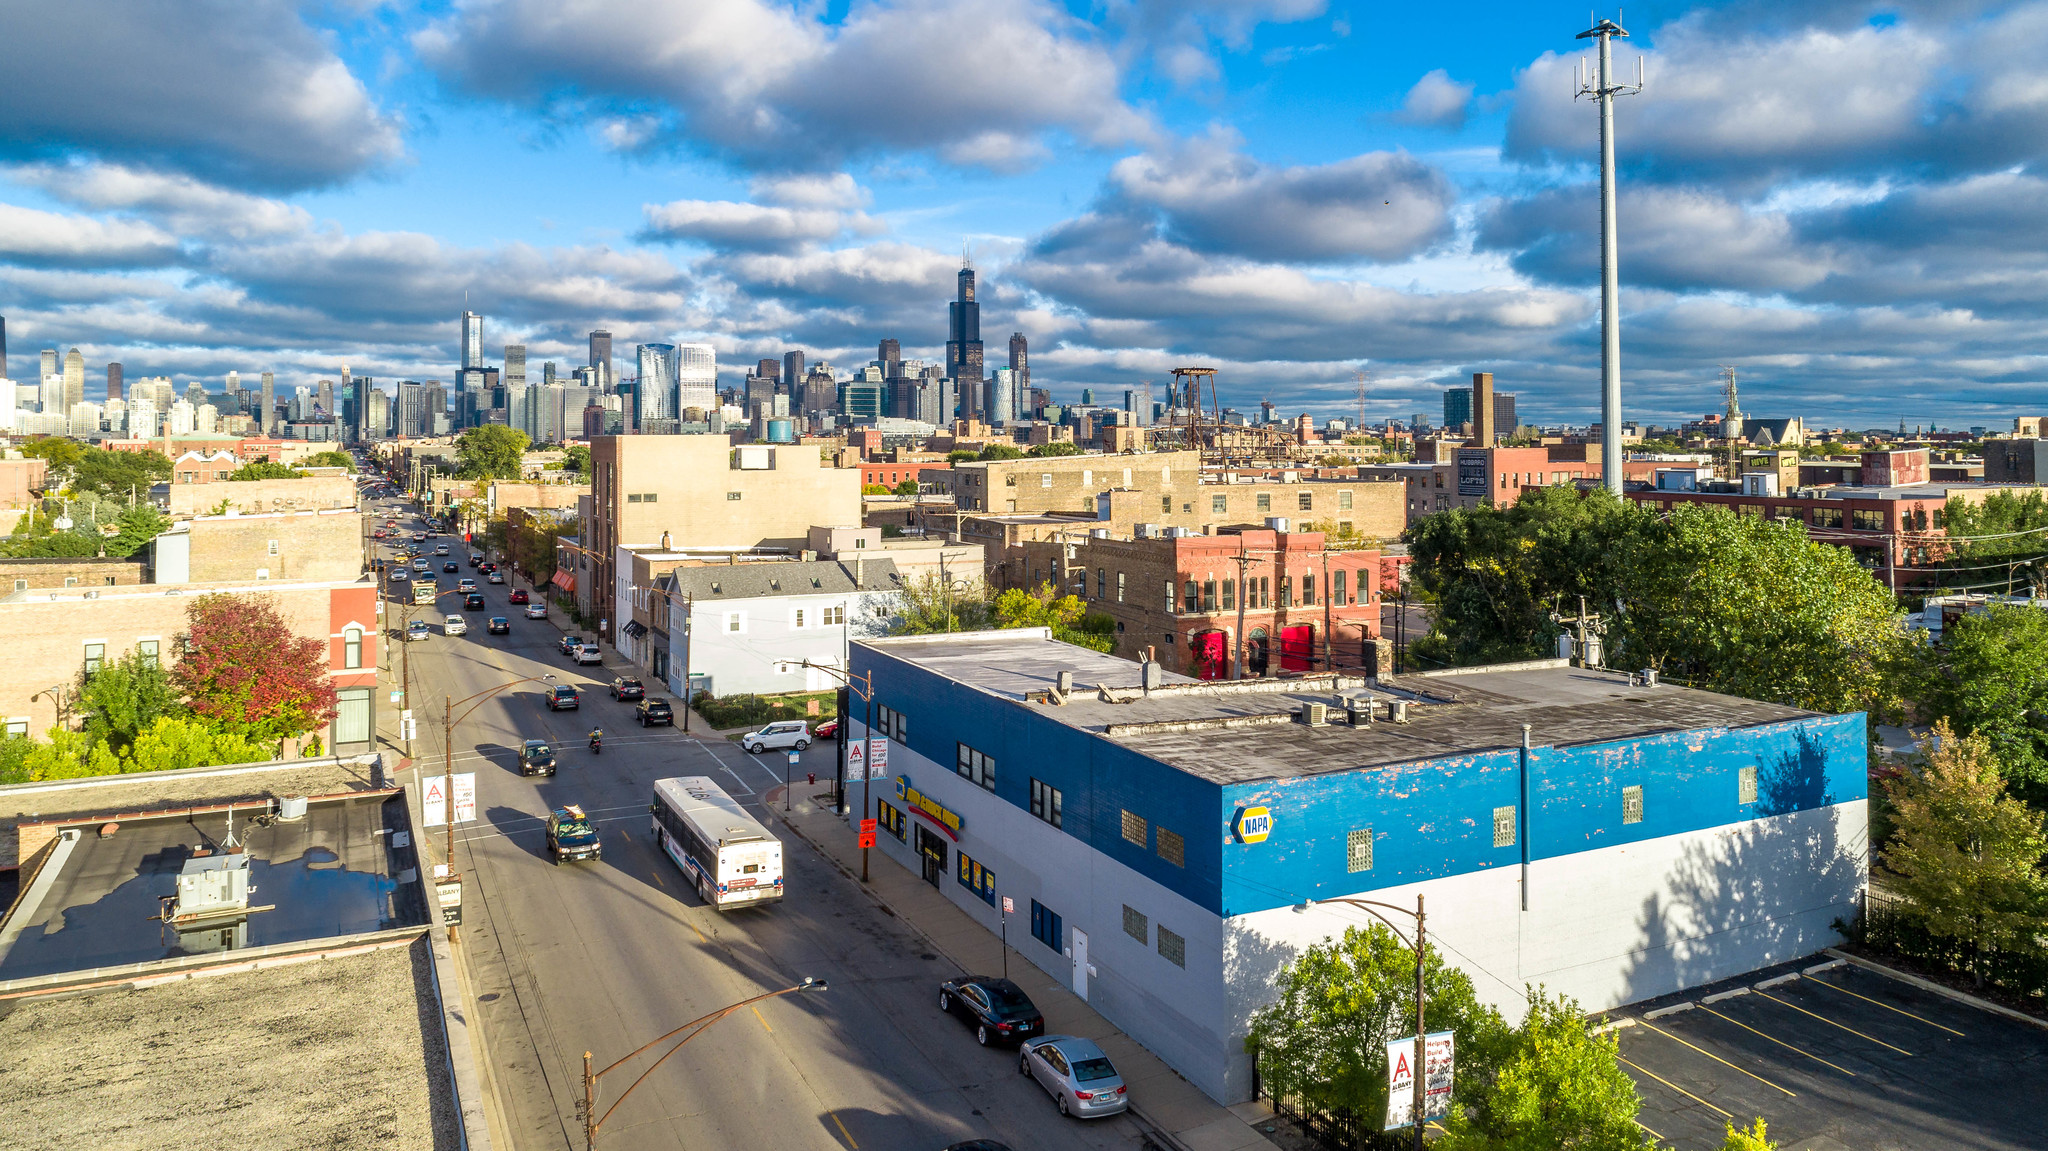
575	831
1009	1004
539	750
1089	1070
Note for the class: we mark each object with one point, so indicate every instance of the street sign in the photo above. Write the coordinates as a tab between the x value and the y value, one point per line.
867	840
878	758
856	761
867	827
1436	1084
434	800
795	757
1009	906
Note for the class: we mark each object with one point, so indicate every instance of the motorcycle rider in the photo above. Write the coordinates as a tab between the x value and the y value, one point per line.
597	739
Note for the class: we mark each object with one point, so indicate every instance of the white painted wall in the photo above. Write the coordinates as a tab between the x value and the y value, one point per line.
769	633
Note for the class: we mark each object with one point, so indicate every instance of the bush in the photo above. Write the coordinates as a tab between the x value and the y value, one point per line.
729	711
1891	930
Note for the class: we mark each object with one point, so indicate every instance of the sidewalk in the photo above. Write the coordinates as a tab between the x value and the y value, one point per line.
1162	1100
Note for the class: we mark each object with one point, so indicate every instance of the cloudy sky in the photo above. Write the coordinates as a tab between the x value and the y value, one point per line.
1844	200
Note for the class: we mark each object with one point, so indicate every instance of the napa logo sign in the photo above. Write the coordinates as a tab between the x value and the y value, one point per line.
1251	824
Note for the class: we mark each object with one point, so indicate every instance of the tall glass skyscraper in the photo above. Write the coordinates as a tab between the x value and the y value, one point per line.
657	383
472	340
696	377
963	340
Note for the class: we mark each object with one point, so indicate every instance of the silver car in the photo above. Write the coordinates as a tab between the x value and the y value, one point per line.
1076	1073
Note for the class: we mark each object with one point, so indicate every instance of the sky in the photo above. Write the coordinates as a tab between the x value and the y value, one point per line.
1845	201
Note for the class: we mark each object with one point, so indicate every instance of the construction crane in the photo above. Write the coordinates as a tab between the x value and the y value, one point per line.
1733	429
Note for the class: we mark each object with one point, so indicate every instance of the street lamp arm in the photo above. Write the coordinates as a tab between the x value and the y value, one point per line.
1367	906
483	696
860	685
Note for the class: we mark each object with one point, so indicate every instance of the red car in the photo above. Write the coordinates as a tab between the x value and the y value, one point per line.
516	597
827	730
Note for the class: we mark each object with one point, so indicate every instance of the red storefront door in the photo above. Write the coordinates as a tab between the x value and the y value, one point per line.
1297	647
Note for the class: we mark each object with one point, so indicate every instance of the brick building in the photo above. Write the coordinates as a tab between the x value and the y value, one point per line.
21	575
20	479
889	474
200	466
251	497
312	545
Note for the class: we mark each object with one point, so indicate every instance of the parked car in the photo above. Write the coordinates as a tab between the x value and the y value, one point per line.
536	611
589	653
563	697
474	601
626	687
417	629
537	757
454	625
653	711
475	558
997	1009
499	625
518	596
781	734
493	577
569	644
571	835
1076	1073
826	730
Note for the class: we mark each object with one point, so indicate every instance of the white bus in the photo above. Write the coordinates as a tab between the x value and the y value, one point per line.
730	856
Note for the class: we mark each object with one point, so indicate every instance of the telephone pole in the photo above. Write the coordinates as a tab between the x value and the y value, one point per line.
1603	90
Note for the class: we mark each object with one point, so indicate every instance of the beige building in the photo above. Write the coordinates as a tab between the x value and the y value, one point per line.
325	545
700	492
250	497
1069	483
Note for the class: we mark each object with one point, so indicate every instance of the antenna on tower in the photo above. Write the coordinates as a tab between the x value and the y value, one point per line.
1733	430
966	261
1362	378
1602	88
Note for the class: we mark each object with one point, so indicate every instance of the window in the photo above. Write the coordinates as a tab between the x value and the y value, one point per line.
1632	804
1045	479
1749	510
273	547
1308	589
1358	850
893	724
1265	501
732	495
95	656
1219	504
633	497
1229	594
17	727
352	715
1170	604
832	616
1209	595
1045	802
890	818
1166	504
650	497
1192	595
1136	925
351	648
1344	500
1827	517
70	581
735	621
1339	593
1119	587
1101	583
1286	592
1046	927
796	618
1504	826
1307	500
978	768
1134	828
21	585
1172	848
1867	521
1745	785
1173	947
976	878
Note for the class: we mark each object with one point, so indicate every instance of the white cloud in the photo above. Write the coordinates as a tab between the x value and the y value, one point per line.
726	224
51	239
187	206
1436	101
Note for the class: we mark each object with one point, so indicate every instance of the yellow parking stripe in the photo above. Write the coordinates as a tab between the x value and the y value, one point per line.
1886	1006
1646	1127
1832	1023
844	1131
1674	1087
763	1019
1717	1058
1776	1040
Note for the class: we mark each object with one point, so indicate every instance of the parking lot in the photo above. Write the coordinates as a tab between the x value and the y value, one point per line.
1834	1056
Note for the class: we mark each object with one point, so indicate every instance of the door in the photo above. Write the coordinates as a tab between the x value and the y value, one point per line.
931	851
1080	939
1297	647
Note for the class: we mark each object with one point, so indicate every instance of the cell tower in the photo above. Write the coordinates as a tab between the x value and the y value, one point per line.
1362	379
1602	89
1733	429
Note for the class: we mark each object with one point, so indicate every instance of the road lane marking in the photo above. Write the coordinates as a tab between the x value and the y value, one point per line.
763	1019
844	1131
1673	1086
1778	1041
1886	1006
1721	1061
1832	1023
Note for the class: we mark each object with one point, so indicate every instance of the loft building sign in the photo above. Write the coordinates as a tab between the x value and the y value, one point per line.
1472	473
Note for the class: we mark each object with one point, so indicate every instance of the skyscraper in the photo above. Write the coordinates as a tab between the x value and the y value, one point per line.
472	340
515	364
114	385
325	398
49	363
1457	407
3	362
657	394
768	368
889	352
1020	362
963	341
696	377
793	372
266	421
74	379
601	356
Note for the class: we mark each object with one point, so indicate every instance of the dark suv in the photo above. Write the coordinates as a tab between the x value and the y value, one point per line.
562	697
653	711
572	836
626	688
537	757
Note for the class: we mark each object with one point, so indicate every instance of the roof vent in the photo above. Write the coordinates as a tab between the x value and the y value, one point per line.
1315	713
1098	533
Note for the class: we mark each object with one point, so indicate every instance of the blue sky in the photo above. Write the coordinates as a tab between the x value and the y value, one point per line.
1841	199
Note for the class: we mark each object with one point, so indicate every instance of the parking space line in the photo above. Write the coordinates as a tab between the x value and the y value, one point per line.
1886	1006
1832	1023
844	1131
1723	1062
1674	1087
1639	1123
1778	1041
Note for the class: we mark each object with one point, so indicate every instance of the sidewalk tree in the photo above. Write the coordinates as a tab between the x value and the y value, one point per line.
1554	1085
244	670
490	452
1965	856
123	698
1989	678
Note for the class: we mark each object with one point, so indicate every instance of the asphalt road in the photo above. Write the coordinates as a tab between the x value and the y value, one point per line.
605	957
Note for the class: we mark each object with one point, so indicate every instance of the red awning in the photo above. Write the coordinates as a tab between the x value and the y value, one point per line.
566	581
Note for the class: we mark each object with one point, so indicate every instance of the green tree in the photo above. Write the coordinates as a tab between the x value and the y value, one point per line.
123	474
1000	452
63	455
1066	615
906	489
576	458
124	698
139	525
961	455
1321	1043
265	470
490	452
1054	449
1556	1085
932	603
1989	679
2003	539
1966	855
1754	1138
329	459
248	674
172	742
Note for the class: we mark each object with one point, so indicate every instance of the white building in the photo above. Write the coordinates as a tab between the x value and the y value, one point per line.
696	376
738	628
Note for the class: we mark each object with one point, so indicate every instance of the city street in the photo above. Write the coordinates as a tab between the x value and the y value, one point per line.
607	956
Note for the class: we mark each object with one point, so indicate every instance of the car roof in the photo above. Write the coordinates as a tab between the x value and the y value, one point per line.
1073	1047
995	981
499	619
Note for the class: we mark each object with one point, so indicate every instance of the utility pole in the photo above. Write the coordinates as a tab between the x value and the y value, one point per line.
1243	560
1603	90
1581	621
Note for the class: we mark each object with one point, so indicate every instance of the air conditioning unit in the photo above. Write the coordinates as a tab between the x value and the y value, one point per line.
1314	713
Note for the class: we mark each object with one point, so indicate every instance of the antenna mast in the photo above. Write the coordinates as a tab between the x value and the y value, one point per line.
1602	89
1732	430
1361	378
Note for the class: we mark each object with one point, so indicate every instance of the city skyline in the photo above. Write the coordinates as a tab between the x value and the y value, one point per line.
1287	192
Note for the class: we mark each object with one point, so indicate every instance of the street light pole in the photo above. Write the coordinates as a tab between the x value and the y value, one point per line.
448	720
864	687
1369	906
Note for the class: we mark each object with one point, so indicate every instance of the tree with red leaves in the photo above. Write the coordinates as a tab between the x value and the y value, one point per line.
245	671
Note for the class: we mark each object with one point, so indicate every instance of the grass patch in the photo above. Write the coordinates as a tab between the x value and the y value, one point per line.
729	711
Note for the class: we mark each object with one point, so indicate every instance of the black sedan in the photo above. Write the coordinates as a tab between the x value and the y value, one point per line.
996	1008
474	601
626	687
451	566
536	758
653	711
563	697
499	625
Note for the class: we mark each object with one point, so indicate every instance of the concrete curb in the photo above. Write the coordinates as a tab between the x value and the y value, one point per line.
462	1071
1938	988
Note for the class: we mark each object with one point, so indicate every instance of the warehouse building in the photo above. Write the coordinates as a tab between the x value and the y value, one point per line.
1609	839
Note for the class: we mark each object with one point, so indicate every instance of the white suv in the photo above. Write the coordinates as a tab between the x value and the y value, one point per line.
454	625
589	653
788	733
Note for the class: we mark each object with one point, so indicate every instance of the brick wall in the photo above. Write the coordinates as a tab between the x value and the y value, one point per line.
251	497
25	574
297	546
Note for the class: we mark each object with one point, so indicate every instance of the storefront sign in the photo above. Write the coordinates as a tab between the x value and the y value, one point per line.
917	801
1252	825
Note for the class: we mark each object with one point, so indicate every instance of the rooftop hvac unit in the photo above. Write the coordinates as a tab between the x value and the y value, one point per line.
1276	523
1400	710
210	885
1098	533
1314	713
1145	531
291	807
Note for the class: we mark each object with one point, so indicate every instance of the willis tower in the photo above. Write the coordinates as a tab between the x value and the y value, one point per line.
963	343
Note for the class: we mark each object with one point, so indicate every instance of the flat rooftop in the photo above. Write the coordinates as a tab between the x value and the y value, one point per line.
339	1051
1243	732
